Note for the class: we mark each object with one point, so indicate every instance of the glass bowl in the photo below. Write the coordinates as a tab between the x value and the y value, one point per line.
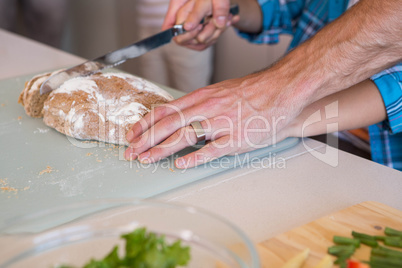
78	232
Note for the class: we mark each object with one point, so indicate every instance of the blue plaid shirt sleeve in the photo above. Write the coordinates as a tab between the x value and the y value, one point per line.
389	83
386	137
299	18
279	17
303	19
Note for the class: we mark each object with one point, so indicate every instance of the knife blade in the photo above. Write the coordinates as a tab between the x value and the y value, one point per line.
119	56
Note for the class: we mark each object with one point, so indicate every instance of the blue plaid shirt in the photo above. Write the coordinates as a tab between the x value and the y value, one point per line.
302	19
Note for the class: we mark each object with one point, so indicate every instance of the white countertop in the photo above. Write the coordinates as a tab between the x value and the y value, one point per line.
262	201
20	55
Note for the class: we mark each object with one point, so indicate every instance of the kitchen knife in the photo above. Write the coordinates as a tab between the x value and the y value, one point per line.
119	56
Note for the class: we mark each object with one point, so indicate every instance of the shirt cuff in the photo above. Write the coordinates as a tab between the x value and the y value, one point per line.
389	83
276	20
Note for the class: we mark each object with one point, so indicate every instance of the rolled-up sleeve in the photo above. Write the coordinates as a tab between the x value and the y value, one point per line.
389	83
279	17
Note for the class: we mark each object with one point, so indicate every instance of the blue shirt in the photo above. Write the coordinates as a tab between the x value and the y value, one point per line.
302	19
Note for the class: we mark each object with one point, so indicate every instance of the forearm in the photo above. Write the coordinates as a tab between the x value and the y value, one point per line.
355	107
362	42
250	16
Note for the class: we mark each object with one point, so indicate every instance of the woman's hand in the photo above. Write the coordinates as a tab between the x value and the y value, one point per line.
191	12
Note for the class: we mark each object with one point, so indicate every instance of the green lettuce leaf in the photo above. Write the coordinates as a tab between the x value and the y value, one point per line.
144	250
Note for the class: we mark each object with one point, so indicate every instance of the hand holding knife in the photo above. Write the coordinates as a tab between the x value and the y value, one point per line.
119	56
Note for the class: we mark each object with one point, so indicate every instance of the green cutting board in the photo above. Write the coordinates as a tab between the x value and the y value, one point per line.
41	168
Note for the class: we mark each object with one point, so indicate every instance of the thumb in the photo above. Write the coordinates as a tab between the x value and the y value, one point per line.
200	10
170	18
220	12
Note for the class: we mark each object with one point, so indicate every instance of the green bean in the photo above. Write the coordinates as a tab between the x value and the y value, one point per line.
386	252
369	242
392	232
340	240
341	250
341	260
380	237
381	257
393	241
365	239
391	262
362	236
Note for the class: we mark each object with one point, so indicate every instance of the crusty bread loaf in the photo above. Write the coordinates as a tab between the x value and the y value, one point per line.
99	107
30	97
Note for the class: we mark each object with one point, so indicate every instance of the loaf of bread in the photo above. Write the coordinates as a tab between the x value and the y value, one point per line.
30	97
99	107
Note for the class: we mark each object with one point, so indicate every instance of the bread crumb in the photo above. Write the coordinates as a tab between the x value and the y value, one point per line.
48	169
19	117
8	189
98	160
89	154
3	104
171	169
4	187
72	169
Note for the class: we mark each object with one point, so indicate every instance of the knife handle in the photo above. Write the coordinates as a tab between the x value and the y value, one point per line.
179	29
234	10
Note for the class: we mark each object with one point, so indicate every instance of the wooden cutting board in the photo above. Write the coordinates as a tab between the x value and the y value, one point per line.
368	217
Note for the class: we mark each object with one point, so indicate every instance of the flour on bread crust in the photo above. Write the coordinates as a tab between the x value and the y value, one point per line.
101	107
31	98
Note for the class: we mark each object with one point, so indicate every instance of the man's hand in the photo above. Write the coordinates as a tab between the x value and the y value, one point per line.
191	12
244	114
237	116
